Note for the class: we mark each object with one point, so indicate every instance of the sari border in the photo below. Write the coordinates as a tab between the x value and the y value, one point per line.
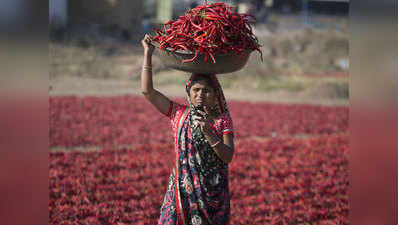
170	109
180	211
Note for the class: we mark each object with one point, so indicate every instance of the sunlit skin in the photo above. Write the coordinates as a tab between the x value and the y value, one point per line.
203	94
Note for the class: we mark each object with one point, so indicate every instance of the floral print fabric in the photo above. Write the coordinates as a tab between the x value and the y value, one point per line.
198	191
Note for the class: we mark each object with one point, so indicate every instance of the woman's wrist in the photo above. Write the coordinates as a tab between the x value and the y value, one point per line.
148	53
212	138
147	68
208	132
215	144
147	62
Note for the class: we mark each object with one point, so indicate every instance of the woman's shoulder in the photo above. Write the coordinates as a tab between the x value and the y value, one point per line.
181	107
176	109
224	116
224	124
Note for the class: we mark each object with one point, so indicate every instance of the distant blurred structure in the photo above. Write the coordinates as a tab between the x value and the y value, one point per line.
124	15
164	11
264	8
58	13
16	15
335	7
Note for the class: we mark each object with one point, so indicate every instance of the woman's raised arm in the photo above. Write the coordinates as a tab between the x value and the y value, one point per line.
161	102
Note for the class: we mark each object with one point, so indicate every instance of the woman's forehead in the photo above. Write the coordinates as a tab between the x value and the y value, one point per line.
200	84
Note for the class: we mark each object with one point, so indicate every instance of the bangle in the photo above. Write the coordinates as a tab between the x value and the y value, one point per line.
215	144
145	67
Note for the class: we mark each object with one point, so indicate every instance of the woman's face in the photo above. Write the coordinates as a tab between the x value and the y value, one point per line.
202	94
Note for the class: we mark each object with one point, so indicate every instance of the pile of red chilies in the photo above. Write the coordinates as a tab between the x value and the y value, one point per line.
209	30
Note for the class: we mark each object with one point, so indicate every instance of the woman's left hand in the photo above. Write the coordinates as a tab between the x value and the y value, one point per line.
204	121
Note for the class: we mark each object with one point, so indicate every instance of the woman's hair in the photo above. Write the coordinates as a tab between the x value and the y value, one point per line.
201	77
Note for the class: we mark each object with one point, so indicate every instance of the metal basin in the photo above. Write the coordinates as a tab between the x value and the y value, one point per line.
225	63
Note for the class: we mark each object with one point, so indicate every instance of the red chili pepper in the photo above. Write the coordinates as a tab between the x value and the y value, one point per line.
209	30
183	47
191	60
212	57
206	57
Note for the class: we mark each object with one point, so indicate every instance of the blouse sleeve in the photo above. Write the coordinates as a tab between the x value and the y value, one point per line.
170	113
175	110
227	126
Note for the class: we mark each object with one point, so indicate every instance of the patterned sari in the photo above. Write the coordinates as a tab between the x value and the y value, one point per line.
198	190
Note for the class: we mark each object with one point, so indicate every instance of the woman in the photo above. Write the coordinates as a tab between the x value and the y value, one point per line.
198	191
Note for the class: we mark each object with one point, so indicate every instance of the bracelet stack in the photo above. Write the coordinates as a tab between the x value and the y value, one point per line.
215	144
147	68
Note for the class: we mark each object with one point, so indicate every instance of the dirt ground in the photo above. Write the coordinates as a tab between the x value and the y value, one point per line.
98	87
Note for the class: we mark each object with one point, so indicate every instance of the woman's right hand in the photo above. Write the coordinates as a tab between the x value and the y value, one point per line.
148	47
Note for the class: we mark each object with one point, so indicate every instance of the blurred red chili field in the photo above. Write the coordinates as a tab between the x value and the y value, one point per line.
95	121
290	164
